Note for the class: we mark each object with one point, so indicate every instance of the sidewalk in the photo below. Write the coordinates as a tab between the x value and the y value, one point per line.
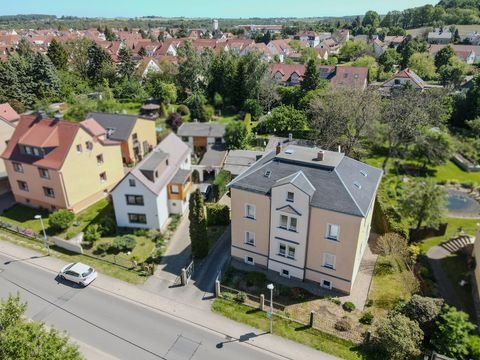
176	308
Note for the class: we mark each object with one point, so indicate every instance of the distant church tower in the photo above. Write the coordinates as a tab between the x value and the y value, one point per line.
215	24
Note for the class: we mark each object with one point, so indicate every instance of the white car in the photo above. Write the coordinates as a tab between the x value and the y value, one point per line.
79	273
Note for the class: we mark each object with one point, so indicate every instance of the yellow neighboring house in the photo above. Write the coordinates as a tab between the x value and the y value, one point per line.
56	164
305	214
6	132
137	135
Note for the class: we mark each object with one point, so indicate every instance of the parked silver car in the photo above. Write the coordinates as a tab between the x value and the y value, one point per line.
79	273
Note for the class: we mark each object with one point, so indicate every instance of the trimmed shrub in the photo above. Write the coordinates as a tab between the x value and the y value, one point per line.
123	244
241	297
102	248
163	110
70	234
335	301
108	226
348	306
183	110
219	186
255	278
141	232
343	325
61	220
367	318
384	266
92	233
369	303
174	120
195	176
218	214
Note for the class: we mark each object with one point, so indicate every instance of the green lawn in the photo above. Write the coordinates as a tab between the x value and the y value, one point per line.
288	329
443	173
132	108
118	272
468	225
390	287
142	250
24	216
451	172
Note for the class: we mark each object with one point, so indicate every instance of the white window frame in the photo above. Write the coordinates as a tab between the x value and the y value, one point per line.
249	235
328	233
175	189
290	226
249	262
247	214
285	275
132	182
289	248
18	167
325	265
292	198
284	254
322	284
281	222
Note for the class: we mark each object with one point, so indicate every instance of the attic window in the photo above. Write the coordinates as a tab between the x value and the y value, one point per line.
364	173
268	173
357	185
289	151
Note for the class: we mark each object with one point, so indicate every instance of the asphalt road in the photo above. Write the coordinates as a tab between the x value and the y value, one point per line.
114	326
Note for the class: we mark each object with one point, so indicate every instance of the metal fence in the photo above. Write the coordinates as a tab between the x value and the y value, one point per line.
121	260
320	322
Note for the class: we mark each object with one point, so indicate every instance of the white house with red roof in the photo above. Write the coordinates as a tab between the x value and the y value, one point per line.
405	77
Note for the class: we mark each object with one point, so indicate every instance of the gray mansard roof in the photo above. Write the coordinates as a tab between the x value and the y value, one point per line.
337	183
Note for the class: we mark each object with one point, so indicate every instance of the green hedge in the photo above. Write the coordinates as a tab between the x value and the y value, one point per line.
218	214
220	184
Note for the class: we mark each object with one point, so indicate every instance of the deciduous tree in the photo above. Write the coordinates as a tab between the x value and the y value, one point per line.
452	335
397	337
24	340
236	135
423	203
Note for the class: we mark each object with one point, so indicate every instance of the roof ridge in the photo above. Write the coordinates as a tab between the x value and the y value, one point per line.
349	192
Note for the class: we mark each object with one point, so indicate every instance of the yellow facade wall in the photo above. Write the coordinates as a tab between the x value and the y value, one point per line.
6	131
145	130
80	172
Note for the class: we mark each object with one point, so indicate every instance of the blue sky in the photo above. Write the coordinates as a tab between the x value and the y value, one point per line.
205	8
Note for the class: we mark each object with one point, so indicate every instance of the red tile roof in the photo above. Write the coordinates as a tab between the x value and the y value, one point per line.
33	131
8	113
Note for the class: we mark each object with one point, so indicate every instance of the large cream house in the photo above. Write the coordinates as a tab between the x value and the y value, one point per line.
304	213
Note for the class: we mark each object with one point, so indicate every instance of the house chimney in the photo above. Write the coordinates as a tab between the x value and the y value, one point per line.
278	150
320	155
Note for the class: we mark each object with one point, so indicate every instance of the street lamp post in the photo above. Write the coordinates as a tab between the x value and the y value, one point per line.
45	241
271	287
